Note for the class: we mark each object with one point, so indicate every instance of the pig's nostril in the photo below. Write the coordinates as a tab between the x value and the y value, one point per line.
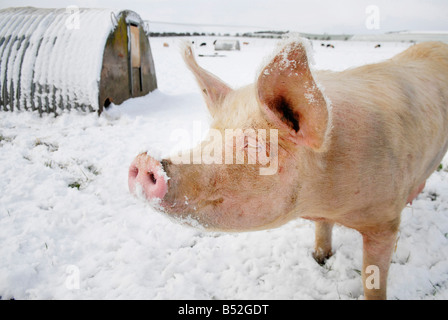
146	177
152	178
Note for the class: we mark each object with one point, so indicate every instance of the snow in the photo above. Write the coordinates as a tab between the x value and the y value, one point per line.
71	230
54	50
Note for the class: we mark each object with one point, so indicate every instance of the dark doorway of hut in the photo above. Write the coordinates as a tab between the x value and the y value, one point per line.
128	68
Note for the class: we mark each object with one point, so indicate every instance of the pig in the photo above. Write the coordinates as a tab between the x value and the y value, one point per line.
354	148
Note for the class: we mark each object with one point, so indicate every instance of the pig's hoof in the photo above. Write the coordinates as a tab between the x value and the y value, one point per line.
321	257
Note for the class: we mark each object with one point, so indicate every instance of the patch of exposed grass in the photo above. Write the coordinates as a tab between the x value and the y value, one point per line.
75	185
50	146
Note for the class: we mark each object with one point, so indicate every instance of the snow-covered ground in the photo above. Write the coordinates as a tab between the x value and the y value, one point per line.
69	229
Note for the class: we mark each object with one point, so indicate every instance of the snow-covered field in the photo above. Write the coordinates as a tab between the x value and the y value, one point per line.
69	229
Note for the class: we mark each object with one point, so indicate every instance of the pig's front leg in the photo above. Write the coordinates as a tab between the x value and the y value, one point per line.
377	251
322	249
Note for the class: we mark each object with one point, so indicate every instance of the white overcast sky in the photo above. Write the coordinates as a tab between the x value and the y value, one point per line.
319	16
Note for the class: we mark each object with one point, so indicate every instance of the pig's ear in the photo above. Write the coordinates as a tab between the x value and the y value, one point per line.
291	99
213	89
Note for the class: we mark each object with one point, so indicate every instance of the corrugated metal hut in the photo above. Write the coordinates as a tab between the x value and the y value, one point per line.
56	59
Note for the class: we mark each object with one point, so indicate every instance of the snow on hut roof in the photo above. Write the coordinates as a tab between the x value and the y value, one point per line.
52	54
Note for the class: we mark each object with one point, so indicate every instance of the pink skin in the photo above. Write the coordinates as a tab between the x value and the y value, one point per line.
148	173
208	193
356	162
228	197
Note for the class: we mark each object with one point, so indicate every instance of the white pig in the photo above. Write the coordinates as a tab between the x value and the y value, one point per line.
354	148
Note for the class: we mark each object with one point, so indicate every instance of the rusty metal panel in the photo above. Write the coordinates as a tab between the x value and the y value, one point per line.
135	47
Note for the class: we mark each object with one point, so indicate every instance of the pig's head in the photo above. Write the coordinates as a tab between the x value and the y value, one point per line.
283	117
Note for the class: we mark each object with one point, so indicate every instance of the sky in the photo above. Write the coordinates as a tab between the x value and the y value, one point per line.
313	16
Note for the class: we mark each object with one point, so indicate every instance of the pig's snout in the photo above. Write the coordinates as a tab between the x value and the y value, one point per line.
148	174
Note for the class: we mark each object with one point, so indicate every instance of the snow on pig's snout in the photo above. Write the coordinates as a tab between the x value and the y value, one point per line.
146	176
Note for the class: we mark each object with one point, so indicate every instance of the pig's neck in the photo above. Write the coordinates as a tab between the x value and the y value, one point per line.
330	179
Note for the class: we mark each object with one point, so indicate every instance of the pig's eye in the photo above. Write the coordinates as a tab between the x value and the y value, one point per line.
253	144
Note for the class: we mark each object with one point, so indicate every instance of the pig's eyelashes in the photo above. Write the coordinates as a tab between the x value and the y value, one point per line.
257	153
257	147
